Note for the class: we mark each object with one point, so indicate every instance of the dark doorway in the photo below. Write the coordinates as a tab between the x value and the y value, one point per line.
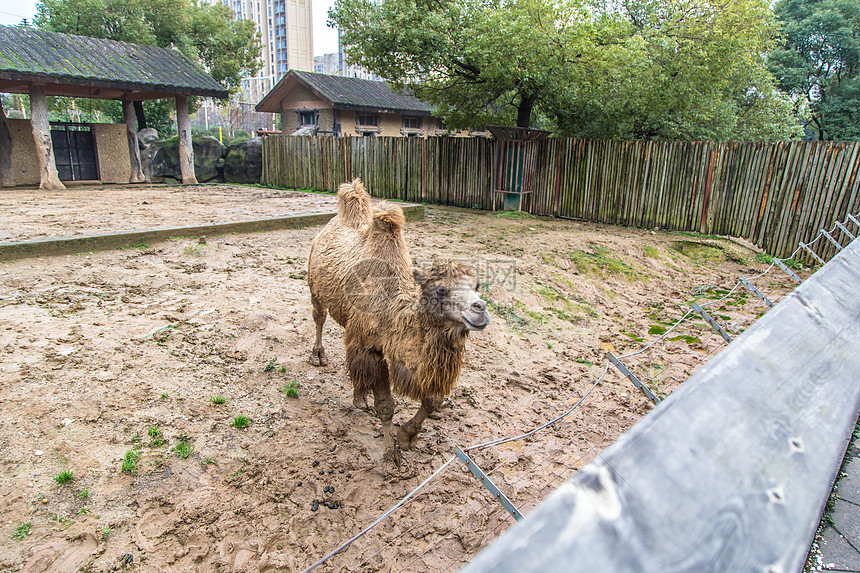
74	151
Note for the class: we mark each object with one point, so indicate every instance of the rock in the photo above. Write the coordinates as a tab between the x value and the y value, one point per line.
146	136
161	160
243	161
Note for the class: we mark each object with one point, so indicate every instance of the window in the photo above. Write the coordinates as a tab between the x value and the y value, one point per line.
368	120
307	117
411	122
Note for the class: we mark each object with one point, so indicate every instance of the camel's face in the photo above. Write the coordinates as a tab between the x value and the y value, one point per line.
453	297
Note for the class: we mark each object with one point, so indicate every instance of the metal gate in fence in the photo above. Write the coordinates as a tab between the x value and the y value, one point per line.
74	151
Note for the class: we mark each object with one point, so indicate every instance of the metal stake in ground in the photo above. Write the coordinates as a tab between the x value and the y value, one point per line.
832	240
478	473
787	270
845	230
632	377
806	248
756	292
712	322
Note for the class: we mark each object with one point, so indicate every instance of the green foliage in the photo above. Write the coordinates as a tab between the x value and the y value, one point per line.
240	422
818	64
642	69
129	462
183	447
217	400
156	438
21	531
64	477
271	365
291	389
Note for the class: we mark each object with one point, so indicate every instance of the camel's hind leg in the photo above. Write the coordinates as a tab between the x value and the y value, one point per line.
410	429
318	357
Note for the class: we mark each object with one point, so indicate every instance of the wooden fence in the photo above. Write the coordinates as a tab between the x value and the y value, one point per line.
774	195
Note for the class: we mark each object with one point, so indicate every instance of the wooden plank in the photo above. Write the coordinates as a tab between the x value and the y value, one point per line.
731	472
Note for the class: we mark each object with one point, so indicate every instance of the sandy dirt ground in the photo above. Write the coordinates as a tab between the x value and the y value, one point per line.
112	362
33	214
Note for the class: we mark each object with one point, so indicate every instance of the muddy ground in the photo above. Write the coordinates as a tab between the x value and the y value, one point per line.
112	364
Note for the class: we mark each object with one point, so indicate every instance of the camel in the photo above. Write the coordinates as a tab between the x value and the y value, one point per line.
402	328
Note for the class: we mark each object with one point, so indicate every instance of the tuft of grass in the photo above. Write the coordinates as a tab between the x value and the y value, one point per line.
105	532
165	396
129	462
651	252
195	250
514	215
137	246
291	389
686	338
84	493
156	438
183	447
270	367
21	531
219	399
599	261
699	253
64	477
656	329
240	422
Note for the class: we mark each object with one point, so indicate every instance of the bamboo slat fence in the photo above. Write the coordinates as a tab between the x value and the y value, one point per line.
774	195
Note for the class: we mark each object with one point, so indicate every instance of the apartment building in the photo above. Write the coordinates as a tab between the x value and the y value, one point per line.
286	36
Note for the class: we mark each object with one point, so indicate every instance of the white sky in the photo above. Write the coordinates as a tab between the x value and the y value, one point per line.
325	39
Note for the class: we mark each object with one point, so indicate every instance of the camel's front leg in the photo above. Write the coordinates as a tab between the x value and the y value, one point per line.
411	428
383	403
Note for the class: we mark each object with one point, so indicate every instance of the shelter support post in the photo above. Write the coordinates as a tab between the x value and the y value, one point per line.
7	177
130	120
186	150
48	176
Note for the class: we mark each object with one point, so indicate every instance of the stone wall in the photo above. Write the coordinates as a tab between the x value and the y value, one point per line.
25	166
112	152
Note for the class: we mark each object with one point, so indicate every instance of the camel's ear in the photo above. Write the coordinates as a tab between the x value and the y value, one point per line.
418	276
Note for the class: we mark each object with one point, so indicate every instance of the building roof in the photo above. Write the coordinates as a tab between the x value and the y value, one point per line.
345	93
93	67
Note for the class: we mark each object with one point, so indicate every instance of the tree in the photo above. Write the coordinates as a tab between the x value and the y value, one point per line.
632	69
209	35
818	63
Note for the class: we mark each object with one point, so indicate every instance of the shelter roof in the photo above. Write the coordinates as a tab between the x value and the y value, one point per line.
81	66
345	93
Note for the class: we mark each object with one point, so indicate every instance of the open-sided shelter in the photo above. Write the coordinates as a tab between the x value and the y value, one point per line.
43	64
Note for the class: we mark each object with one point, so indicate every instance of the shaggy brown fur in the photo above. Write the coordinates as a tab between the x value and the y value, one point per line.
401	329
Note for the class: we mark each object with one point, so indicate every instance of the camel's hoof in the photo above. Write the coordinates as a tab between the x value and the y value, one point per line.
360	402
318	358
397	466
404	440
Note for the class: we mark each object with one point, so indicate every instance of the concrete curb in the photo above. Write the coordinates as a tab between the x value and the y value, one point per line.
106	241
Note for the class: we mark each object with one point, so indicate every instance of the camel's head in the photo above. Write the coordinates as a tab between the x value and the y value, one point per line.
449	293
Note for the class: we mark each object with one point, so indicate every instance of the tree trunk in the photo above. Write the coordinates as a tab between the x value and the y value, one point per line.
7	176
524	111
186	149
133	148
48	177
141	118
